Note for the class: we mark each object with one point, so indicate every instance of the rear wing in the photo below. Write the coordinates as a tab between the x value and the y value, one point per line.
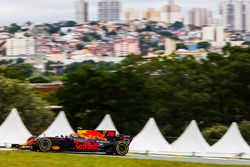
97	134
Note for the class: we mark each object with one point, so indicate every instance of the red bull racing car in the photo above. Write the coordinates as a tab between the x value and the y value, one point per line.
84	141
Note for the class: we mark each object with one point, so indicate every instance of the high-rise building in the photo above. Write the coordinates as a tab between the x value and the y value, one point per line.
151	14
21	45
216	20
109	10
171	12
81	8
236	14
131	14
213	34
199	16
170	46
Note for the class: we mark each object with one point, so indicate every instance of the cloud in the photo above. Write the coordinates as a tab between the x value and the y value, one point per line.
41	11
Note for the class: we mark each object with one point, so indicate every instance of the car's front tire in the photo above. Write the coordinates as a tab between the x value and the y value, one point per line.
121	148
44	145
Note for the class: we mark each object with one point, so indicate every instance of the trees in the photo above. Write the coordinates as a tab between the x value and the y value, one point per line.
244	128
88	94
214	91
24	70
71	23
246	43
52	29
13	28
31	107
79	46
165	33
112	33
214	133
39	79
177	25
181	46
204	45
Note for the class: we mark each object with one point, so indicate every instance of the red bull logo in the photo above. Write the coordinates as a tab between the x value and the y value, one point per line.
86	146
92	134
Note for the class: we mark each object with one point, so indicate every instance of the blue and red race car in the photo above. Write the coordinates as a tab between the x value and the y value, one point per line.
84	141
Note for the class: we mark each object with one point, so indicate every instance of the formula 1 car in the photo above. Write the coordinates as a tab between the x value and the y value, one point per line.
84	141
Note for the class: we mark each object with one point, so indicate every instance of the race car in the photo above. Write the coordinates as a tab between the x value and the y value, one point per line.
84	141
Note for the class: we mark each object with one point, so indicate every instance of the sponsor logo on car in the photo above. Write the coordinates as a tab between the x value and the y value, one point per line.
86	146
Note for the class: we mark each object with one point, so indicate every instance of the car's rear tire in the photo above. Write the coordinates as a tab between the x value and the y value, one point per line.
121	148
44	145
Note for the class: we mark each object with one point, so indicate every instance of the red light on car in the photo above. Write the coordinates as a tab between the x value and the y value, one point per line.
30	143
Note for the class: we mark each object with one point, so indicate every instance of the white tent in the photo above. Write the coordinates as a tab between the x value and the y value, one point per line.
13	130
60	126
150	140
107	124
232	144
191	142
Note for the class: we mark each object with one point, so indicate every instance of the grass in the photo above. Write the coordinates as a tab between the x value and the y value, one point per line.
31	159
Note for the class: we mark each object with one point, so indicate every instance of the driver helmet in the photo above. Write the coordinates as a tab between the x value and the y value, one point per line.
74	135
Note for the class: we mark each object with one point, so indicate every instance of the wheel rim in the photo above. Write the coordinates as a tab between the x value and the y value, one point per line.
45	145
122	148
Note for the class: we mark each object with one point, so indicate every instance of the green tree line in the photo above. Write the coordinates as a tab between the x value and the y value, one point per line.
214	91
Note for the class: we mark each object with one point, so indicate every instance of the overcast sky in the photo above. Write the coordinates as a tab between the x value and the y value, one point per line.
41	11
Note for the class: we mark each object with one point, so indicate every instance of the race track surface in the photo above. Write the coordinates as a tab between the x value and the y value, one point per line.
193	159
220	161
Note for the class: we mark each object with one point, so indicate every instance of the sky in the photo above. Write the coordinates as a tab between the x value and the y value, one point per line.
47	11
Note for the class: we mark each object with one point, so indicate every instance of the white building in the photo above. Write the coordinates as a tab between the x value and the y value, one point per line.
170	46
171	13
21	45
219	34
109	10
213	34
81	8
199	16
236	14
125	47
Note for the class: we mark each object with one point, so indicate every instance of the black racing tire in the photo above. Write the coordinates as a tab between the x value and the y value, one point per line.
44	145
121	148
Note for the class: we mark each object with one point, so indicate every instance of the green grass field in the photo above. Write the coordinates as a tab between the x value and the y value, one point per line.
31	159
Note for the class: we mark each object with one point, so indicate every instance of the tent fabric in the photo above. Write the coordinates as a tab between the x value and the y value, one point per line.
13	130
150	140
232	144
107	124
60	126
191	141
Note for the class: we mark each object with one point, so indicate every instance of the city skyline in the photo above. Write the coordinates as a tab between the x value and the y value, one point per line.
59	10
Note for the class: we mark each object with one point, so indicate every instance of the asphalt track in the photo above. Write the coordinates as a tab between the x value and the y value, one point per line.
193	159
219	161
171	158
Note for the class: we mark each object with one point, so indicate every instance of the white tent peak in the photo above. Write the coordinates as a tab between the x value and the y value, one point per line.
13	130
60	126
150	140
107	124
231	143
191	140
